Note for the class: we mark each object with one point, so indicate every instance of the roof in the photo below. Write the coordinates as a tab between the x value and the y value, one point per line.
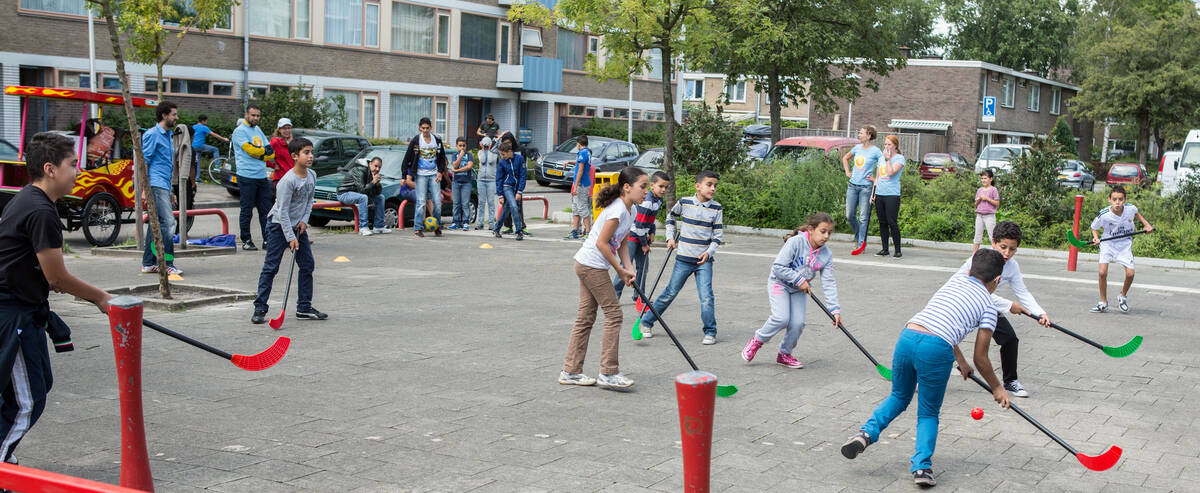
816	139
920	124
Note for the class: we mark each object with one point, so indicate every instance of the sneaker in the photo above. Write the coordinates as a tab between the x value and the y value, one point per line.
857	443
437	232
464	228
1015	389
520	236
259	317
249	246
171	269
149	269
617	381
647	332
751	349
897	254
365	232
709	340
882	253
574	235
1100	307
789	361
1123	304
575	379
452	227
311	314
507	231
382	231
496	233
924	477
525	231
418	233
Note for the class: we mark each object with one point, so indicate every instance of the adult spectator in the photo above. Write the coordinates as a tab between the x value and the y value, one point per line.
360	186
279	143
887	194
253	152
867	157
425	163
200	132
160	165
489	127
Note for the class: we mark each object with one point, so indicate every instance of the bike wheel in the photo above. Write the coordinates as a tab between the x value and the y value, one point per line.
214	169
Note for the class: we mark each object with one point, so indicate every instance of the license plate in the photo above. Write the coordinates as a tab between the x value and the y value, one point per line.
554	172
1062	177
233	179
936	170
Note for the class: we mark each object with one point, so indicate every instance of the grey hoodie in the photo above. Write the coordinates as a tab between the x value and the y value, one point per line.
797	263
487	164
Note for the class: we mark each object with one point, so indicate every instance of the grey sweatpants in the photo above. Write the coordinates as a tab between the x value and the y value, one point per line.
787	311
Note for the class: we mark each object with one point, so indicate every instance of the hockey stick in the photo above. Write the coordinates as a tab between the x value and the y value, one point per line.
251	362
277	322
866	227
722	390
1117	352
884	371
637	324
1078	243
1094	462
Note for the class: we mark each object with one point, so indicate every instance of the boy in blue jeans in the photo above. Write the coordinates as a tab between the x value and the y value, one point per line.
642	233
460	189
699	235
510	181
581	193
928	347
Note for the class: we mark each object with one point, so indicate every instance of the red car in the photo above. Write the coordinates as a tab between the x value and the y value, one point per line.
1127	174
936	163
833	146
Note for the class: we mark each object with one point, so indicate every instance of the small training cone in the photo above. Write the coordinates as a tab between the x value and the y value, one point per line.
341	258
174	277
486	245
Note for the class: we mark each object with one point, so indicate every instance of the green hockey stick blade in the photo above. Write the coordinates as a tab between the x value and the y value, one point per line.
637	330
1074	241
1123	351
726	390
168	256
884	372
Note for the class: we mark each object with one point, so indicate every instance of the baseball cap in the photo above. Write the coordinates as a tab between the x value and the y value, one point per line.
284	122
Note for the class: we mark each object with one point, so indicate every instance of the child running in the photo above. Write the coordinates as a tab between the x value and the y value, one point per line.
987	199
802	257
926	349
288	227
1115	220
642	234
699	236
605	246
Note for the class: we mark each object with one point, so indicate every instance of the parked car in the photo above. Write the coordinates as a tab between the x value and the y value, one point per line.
832	146
1186	164
934	164
1073	173
998	157
1127	174
1168	172
391	179
651	160
331	151
757	139
8	152
558	167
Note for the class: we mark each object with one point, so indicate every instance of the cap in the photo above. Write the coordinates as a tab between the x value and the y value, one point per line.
284	122
485	142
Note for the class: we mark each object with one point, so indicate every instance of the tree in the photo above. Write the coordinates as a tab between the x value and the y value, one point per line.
1136	62
1018	34
805	50
305	110
1063	136
912	21
146	24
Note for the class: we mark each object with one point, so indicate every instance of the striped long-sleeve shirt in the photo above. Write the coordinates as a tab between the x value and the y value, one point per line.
700	230
959	307
644	216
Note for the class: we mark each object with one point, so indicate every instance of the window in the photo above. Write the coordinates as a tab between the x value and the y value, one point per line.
607	113
1055	100
186	87
580	110
351	147
443	34
531	38
477	39
1009	87
594	47
636	114
274	18
328	148
982	86
75	7
656	64
110	83
371	25
256	92
369	103
352	23
189	86
628	150
620	113
302	24
439	117
414	28
353	117
736	92
406	111
653	115
74	79
612	152
222	89
572	49
693	89
1035	97
505	39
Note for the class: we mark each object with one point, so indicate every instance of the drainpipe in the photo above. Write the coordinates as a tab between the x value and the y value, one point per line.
245	54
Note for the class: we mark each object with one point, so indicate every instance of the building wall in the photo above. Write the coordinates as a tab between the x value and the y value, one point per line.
714	95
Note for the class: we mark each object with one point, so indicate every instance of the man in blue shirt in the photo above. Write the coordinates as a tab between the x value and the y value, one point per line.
199	132
160	164
253	151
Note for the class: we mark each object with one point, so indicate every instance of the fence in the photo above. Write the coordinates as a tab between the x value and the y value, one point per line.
912	145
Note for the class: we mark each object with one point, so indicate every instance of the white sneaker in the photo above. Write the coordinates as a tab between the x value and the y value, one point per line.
1123	303
575	379
382	231
1016	389
149	269
617	381
709	340
647	332
171	269
365	232
1100	307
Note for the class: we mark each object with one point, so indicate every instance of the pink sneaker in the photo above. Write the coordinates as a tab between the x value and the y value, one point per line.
751	349
788	361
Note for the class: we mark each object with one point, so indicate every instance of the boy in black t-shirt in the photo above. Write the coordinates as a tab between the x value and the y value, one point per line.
31	263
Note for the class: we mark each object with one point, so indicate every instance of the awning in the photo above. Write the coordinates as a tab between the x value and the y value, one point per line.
920	125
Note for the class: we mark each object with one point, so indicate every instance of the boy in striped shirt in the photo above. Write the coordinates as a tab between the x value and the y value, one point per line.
928	347
642	234
700	225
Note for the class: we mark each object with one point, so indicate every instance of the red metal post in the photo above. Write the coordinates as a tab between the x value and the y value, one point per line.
19	478
125	322
1073	251
696	392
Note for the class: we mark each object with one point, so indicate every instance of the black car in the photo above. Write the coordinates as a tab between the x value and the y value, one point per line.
331	151
558	167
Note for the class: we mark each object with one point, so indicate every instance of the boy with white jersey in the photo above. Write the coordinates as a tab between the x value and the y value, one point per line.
1116	220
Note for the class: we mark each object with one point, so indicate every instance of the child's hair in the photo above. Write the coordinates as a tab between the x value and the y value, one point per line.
986	264
894	140
201	118
164	109
628	176
460	140
425	121
660	176
582	140
298	144
705	174
1116	189
46	147
870	131
1006	230
989	174
505	147
813	221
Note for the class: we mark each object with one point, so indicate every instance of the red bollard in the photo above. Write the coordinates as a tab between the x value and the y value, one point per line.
1073	251
125	322
696	392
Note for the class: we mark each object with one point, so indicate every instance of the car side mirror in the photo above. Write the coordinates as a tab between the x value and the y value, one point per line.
1177	164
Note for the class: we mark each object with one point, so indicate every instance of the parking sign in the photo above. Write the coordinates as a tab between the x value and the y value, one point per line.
989	109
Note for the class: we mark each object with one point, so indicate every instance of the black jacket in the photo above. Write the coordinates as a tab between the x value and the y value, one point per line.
358	179
411	156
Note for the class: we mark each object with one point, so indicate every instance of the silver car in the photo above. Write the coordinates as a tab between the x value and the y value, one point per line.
1073	173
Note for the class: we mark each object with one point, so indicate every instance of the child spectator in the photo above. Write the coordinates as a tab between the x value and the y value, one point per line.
581	191
360	186
288	228
987	199
642	234
1115	220
803	256
699	235
510	178
200	131
461	191
605	246
485	184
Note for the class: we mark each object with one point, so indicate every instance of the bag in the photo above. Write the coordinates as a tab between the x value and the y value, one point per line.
215	241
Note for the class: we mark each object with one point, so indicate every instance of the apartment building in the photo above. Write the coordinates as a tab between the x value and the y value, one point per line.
393	61
745	101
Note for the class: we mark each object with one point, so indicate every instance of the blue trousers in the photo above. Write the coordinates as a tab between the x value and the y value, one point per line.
679	276
276	244
461	191
919	360
510	210
427	188
858	203
254	193
640	260
166	226
360	200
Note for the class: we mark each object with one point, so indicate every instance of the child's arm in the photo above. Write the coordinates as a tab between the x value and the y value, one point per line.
1096	229
470	164
717	237
782	268
676	210
1145	224
995	202
62	281
978	197
982	341
1026	298
606	233
283	195
829	289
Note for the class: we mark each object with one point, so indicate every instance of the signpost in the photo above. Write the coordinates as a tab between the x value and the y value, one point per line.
989	114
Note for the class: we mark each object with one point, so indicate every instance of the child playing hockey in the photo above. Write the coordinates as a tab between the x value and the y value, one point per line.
1115	220
642	234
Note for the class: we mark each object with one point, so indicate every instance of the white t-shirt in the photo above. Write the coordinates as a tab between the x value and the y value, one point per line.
589	254
1114	225
426	156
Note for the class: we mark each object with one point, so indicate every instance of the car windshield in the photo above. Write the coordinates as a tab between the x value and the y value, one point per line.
651	159
758	150
1124	171
568	146
1191	156
937	159
998	153
789	151
393	161
1066	166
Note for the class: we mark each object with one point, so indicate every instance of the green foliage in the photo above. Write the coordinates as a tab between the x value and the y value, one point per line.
1018	34
600	128
766	195
219	123
145	24
1032	186
385	141
1063	137
655	137
1186	201
913	22
707	141
302	108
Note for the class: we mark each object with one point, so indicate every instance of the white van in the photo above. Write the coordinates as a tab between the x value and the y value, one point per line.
1167	172
1187	165
999	156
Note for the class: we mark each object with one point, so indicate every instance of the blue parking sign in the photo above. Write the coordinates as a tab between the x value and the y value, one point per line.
989	109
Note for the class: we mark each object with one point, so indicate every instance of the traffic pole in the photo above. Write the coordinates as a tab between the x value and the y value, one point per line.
696	392
125	322
1073	251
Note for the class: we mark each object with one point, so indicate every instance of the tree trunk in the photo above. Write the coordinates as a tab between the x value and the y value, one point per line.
159	95
139	160
1143	138
668	66
773	92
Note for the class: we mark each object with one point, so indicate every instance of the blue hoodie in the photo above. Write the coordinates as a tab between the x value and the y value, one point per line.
511	173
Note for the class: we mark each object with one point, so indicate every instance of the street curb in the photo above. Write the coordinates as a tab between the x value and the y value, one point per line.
217	205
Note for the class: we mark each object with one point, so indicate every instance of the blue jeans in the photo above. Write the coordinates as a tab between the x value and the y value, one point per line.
276	244
679	275
166	225
920	359
427	188
206	149
858	197
510	210
487	197
461	191
639	266
360	200
255	193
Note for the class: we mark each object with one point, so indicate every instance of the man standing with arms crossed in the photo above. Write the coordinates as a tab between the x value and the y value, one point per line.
253	152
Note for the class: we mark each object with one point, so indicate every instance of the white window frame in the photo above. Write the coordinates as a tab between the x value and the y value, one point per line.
690	87
1008	86
531	37
1055	100
378	12
593	47
1035	97
440	124
374	124
732	91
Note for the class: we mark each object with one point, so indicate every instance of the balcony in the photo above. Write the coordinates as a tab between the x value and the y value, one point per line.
537	74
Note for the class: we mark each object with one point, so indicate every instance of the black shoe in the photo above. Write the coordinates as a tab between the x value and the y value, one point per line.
418	233
527	233
898	254
883	253
924	477
496	233
311	314
259	317
249	246
437	232
856	444
520	236
507	231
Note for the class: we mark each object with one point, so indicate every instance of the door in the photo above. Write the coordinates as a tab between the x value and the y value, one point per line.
629	155
610	158
368	116
472	117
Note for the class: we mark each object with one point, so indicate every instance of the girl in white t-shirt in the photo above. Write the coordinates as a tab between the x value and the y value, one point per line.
605	246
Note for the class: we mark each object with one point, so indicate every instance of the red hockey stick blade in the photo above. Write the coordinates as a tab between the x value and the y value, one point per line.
265	359
1100	462
860	249
277	322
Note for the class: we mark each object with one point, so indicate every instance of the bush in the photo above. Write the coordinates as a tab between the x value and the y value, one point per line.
1063	136
305	111
600	128
655	137
706	140
383	141
1033	184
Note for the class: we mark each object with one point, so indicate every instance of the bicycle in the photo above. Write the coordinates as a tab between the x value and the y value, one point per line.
216	164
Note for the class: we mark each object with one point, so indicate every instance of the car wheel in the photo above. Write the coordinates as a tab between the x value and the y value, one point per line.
101	219
543	183
391	215
234	192
318	221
